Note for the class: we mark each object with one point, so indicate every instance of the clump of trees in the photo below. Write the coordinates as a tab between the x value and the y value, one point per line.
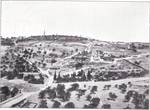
80	76
15	64
8	93
139	100
7	42
98	76
58	92
33	80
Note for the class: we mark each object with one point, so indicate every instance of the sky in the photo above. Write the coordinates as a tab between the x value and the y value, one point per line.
109	21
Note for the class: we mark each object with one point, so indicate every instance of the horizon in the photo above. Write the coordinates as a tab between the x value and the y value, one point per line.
116	22
77	36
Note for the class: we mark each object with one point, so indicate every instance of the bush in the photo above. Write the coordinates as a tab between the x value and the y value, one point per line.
70	105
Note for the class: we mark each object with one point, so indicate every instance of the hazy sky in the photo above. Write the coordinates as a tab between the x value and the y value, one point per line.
112	21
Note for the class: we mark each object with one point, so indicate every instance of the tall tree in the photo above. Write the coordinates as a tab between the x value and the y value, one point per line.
55	76
89	76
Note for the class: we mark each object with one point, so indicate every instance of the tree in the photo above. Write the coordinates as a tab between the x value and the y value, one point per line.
70	105
78	65
51	93
133	47
42	94
59	78
45	52
89	76
5	90
94	88
66	96
95	101
88	97
14	91
53	61
60	90
55	76
43	104
74	87
83	77
112	96
53	49
146	104
106	106
76	50
56	104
